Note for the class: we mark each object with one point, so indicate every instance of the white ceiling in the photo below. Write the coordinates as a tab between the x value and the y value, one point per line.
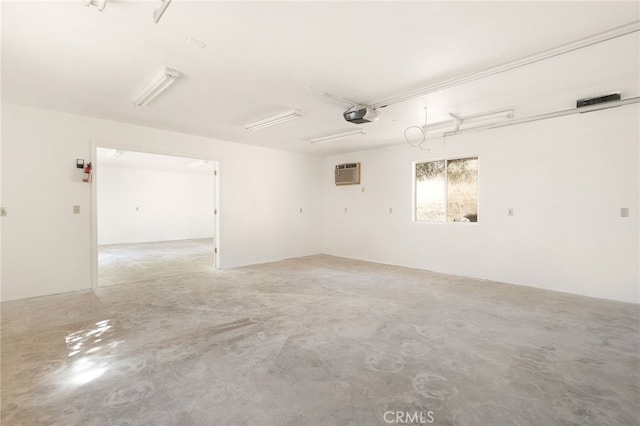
263	58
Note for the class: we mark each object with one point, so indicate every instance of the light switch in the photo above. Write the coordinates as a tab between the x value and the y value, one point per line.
510	212
3	211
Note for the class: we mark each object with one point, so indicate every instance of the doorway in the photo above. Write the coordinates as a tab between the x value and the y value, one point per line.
155	216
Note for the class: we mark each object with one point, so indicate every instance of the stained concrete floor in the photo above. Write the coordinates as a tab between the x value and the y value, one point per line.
126	263
319	340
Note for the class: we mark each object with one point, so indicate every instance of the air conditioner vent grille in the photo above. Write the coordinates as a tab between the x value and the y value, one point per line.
348	174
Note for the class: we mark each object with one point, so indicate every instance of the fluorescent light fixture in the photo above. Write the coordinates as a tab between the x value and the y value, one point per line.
595	107
481	118
484	117
157	86
114	153
157	14
458	121
100	4
197	163
339	136
274	119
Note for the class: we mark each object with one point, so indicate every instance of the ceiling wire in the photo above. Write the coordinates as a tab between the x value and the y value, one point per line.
422	130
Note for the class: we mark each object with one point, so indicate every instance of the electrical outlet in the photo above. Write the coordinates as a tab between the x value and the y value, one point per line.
390	210
363	189
3	211
76	209
510	212
345	209
300	209
624	212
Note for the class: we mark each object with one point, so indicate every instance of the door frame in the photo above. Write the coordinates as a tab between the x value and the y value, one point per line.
173	153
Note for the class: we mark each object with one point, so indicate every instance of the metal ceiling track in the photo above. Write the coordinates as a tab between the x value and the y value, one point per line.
550	53
581	110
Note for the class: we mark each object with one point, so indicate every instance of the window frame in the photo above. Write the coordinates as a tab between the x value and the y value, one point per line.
414	180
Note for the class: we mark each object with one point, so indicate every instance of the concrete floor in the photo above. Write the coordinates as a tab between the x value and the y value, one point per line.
319	340
127	263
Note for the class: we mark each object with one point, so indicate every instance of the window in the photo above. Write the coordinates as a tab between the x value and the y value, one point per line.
447	190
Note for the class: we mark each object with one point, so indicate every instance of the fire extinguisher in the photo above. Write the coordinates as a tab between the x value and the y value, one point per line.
87	173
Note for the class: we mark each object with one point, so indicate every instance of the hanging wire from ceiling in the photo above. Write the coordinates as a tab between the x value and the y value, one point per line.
454	126
423	133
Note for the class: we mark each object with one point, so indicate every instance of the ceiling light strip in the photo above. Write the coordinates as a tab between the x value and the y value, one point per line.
486	116
157	86
157	14
339	136
550	53
596	107
469	119
273	120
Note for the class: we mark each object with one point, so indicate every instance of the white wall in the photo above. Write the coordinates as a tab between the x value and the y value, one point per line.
142	205
1	199
46	249
566	179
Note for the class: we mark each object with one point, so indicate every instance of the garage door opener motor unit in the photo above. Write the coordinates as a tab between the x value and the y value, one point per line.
360	115
348	174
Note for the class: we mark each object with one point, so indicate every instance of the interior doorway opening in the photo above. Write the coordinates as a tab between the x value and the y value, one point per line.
155	216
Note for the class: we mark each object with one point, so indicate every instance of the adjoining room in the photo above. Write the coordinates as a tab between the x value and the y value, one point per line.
320	213
156	215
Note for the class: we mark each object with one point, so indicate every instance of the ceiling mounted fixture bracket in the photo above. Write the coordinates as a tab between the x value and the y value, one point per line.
157	14
273	120
157	86
100	4
454	126
458	120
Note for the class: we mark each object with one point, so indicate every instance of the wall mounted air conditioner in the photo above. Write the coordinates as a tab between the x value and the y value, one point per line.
348	174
